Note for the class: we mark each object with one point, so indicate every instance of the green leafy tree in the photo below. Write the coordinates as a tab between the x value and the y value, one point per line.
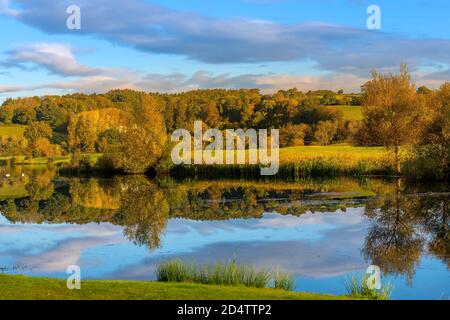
424	90
37	130
329	98
294	135
51	113
24	115
325	132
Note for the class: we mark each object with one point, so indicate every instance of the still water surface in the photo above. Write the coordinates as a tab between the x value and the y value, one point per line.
321	231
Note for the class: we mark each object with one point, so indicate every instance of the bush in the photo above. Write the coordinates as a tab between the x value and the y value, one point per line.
107	162
428	162
165	163
294	135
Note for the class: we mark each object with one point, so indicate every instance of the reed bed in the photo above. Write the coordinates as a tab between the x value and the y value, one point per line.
301	162
229	274
290	171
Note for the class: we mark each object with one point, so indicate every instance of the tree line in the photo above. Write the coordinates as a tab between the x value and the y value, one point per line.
127	123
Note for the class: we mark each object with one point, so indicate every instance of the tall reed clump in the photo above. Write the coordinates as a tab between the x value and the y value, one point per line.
357	288
174	271
283	280
229	274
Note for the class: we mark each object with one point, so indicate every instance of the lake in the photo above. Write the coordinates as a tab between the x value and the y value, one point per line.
320	230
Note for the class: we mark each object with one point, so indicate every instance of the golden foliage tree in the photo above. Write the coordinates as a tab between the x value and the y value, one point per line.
84	128
325	132
393	111
142	143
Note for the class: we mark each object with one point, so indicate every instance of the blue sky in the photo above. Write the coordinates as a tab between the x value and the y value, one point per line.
178	45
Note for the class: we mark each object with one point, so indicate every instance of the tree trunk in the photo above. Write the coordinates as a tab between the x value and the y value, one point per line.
397	160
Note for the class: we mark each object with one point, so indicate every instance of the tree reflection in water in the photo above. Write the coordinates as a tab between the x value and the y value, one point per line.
144	211
400	224
404	223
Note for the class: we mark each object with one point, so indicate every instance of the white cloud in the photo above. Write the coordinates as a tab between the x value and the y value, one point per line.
58	58
177	82
64	254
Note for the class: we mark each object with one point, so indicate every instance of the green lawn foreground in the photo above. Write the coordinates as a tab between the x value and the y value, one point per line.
14	287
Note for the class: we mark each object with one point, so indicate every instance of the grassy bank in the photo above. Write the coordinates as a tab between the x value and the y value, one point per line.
22	287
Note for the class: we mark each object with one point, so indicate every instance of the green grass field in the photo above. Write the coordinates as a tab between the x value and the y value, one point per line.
350	112
29	288
12	130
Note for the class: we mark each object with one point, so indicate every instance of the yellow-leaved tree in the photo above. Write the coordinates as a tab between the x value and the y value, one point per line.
393	111
142	142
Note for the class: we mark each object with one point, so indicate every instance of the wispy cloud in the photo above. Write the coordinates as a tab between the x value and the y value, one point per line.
56	57
5	8
177	82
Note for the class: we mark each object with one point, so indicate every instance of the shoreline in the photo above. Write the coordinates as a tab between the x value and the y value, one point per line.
19	287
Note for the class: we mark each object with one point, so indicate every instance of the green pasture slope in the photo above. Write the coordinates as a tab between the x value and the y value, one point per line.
350	112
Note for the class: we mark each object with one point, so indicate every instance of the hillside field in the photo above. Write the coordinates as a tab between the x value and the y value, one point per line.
350	112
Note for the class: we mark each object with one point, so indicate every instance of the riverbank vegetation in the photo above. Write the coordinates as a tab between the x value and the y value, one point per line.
357	287
131	129
230	274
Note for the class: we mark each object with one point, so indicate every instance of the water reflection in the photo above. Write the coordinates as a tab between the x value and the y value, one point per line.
399	224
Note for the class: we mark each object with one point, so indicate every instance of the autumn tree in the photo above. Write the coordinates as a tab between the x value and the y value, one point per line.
145	211
393	241
211	114
325	131
84	128
37	130
294	135
393	111
38	135
431	157
24	115
142	143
